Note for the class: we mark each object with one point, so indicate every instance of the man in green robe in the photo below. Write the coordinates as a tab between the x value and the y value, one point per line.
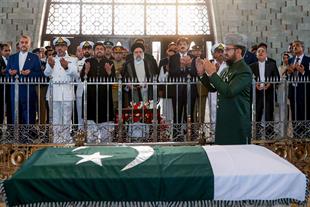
233	87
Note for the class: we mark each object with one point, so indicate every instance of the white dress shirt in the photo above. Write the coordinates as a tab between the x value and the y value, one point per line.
5	60
261	66
22	59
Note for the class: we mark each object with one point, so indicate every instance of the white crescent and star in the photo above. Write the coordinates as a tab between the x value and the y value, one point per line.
95	158
79	148
144	153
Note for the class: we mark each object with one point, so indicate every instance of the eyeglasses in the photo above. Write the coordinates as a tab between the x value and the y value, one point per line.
226	49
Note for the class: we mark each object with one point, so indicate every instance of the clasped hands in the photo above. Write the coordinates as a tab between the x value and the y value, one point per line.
63	62
107	68
205	66
24	72
295	67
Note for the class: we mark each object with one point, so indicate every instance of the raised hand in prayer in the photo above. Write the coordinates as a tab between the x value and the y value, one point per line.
300	68
64	63
51	61
87	67
199	66
108	68
209	67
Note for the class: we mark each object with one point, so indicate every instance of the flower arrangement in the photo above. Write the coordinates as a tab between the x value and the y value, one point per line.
139	112
139	115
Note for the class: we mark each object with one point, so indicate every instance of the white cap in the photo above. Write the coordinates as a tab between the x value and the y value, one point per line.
219	46
87	44
61	41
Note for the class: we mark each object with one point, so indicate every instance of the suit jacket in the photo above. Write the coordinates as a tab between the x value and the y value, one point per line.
175	73
296	92
2	75
271	72
249	58
33	64
151	71
2	66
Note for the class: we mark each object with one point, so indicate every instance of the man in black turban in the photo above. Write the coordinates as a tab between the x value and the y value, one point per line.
141	70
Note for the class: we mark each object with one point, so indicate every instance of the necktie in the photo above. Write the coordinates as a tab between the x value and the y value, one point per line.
297	60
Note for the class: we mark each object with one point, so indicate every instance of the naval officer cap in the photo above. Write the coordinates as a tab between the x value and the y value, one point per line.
108	44
237	39
87	44
61	41
217	46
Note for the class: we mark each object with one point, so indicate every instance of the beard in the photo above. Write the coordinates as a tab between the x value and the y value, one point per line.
139	58
230	60
99	55
87	54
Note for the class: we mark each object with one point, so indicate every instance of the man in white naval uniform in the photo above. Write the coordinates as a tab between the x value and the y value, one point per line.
62	70
218	59
86	48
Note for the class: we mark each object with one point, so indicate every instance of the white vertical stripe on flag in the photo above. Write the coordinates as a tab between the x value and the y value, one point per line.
251	172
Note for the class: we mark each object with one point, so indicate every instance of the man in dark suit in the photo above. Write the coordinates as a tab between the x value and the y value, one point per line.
180	66
264	71
298	72
26	65
5	51
140	69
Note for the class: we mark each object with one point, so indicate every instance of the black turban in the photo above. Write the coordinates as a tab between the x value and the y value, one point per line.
137	45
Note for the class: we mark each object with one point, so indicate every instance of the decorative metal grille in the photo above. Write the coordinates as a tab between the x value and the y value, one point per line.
128	17
129	20
163	24
97	1
160	1
193	20
65	0
63	19
191	1
97	20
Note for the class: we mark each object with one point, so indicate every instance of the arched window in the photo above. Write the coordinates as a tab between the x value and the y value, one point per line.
160	20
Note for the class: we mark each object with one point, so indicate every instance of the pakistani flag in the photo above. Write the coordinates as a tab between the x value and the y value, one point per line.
154	176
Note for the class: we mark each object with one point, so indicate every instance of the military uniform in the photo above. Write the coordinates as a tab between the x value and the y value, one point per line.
63	93
118	65
233	121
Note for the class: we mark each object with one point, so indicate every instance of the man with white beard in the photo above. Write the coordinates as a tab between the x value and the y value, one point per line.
63	70
141	69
